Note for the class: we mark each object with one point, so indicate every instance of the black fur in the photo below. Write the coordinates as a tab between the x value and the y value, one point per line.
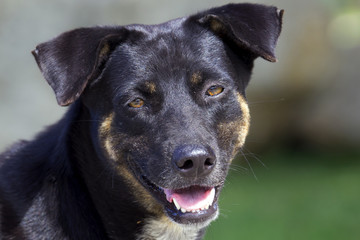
93	174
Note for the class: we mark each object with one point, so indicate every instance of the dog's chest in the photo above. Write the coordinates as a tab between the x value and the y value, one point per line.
164	229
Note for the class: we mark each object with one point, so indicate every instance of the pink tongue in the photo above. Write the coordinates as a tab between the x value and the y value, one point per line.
192	198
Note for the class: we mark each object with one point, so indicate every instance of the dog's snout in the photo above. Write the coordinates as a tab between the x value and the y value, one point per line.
193	160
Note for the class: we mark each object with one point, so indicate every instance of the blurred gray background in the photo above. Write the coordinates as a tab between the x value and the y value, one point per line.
309	98
305	110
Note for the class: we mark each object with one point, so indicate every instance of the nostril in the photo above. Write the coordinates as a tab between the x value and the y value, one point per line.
209	162
188	164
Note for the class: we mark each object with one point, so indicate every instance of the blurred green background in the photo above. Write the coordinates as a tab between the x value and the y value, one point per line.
299	174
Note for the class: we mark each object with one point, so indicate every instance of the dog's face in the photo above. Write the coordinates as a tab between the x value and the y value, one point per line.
177	115
168	100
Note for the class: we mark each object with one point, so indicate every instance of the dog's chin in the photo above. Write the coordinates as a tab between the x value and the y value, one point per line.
191	205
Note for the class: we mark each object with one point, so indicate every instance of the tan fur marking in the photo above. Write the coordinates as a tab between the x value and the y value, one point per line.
109	149
104	50
227	130
105	126
195	78
104	133
245	125
216	25
151	87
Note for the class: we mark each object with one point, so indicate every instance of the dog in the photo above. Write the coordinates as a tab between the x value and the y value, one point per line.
157	113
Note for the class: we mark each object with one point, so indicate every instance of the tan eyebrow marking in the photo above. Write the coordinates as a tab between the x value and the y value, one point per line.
151	87
196	78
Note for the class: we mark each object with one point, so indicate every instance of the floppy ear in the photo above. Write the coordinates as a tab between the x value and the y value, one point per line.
69	61
251	27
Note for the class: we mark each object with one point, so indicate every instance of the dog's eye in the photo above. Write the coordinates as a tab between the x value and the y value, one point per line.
214	90
137	103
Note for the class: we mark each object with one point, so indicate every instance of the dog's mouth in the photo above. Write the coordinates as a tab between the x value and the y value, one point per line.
191	204
191	199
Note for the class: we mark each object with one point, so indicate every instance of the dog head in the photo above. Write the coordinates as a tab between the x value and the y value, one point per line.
168	99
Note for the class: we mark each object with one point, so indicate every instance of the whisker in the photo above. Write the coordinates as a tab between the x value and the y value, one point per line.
238	168
255	156
250	167
222	214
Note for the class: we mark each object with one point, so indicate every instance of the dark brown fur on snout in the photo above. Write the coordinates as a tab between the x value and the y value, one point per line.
157	113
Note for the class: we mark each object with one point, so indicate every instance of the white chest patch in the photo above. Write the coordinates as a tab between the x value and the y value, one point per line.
164	229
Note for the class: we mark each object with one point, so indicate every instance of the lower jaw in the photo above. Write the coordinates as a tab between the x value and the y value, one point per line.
201	217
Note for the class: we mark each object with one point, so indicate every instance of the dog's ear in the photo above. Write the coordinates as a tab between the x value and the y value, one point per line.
252	27
69	61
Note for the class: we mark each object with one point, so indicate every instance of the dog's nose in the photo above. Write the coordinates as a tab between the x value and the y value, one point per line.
193	160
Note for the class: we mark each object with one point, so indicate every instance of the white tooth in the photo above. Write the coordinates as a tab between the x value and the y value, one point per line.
183	210
202	208
207	207
212	196
193	210
176	204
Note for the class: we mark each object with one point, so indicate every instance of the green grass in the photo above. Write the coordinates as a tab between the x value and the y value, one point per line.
295	198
